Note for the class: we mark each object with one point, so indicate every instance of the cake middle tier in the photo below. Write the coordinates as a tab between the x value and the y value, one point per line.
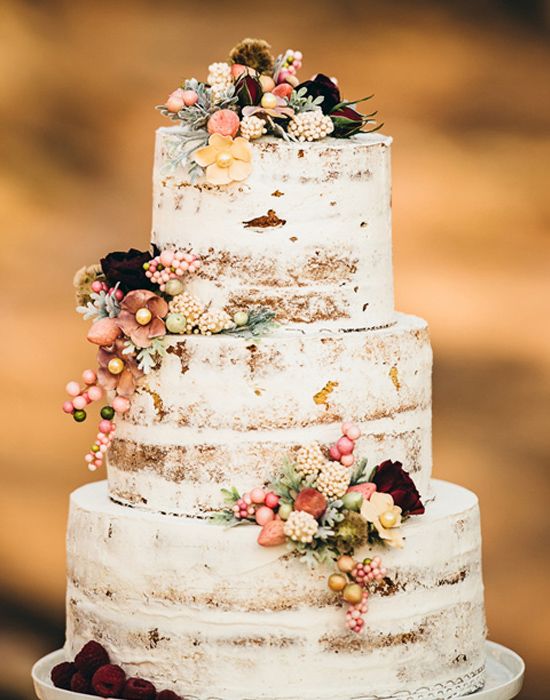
224	410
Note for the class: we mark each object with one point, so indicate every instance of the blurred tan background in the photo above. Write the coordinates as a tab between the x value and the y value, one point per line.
464	89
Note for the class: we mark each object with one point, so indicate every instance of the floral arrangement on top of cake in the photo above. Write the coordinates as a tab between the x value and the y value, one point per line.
134	300
325	506
251	95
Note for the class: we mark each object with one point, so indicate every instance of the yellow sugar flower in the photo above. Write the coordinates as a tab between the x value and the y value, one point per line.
381	511
226	159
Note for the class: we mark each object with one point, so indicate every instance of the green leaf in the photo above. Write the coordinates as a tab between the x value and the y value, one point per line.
359	474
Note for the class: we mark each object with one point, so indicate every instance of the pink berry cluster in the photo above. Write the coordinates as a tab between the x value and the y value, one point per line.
342	450
170	265
259	505
368	570
98	286
103	440
291	64
82	396
354	614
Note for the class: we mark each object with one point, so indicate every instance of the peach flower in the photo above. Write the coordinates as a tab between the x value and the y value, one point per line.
226	159
380	508
225	122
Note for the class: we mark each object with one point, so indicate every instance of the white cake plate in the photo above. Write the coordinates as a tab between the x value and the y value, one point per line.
505	671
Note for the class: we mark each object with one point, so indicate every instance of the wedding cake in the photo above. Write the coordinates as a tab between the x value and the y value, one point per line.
269	527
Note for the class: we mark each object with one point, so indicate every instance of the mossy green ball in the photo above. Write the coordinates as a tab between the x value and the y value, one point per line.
79	415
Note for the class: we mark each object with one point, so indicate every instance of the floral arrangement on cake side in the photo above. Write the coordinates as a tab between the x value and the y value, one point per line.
134	300
326	506
248	96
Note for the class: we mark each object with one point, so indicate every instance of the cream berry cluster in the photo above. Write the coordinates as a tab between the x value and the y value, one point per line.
171	265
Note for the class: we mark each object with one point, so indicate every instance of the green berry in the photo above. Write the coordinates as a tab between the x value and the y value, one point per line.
353	500
285	509
145	266
107	412
173	287
176	323
241	318
95	448
79	415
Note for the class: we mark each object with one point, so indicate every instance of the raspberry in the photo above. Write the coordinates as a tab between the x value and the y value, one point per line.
62	673
80	684
90	658
138	689
167	695
108	681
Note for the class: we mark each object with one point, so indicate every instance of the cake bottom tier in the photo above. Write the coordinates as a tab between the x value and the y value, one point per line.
209	613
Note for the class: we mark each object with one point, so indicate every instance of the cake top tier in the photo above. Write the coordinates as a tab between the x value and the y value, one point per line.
307	235
251	95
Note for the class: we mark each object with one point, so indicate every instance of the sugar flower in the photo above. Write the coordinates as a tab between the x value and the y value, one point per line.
226	159
117	370
381	511
141	317
390	477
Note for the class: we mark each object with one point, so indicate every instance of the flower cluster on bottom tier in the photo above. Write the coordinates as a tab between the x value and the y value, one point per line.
219	617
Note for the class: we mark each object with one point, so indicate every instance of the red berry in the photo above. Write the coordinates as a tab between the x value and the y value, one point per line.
138	689
272	500
90	658
167	695
80	684
108	681
62	673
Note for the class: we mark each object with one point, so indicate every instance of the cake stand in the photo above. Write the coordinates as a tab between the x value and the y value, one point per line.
505	671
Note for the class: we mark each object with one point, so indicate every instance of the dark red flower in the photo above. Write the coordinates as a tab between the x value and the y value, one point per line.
323	86
127	269
390	477
248	90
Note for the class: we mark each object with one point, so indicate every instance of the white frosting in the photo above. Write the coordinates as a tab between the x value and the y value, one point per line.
329	264
210	613
226	411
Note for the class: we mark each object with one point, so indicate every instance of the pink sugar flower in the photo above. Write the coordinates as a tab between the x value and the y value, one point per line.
125	381
141	317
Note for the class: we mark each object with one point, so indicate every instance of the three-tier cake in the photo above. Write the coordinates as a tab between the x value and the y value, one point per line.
273	421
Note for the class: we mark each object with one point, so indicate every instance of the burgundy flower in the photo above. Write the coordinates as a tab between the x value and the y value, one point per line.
323	86
126	269
248	90
141	317
390	477
125	381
